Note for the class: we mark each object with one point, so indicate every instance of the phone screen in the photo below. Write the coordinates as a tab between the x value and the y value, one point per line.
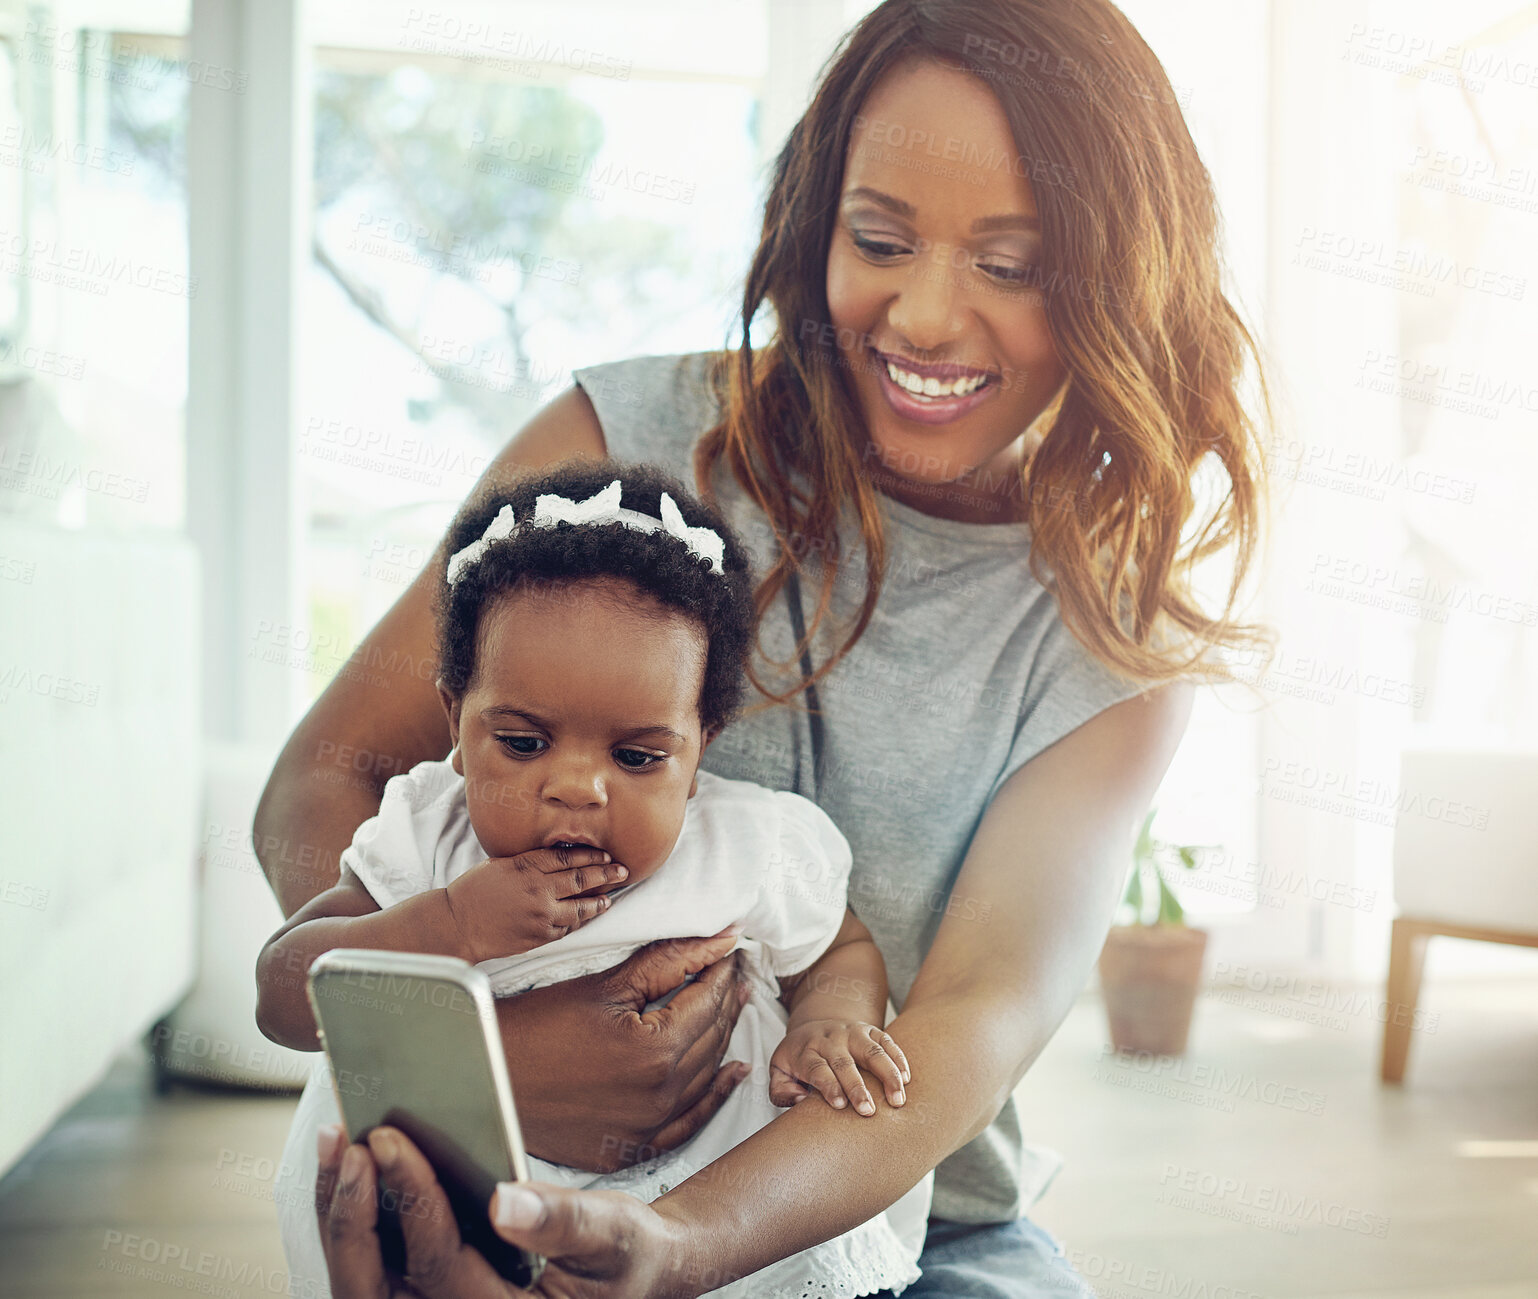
412	1050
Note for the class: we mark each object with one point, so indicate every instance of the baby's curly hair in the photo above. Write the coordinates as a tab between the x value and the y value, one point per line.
656	563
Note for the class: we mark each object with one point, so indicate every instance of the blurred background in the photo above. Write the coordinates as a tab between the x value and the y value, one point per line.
279	277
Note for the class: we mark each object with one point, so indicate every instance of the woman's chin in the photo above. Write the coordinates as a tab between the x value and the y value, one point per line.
910	467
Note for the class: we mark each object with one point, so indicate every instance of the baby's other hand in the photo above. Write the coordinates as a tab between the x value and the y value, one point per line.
826	1056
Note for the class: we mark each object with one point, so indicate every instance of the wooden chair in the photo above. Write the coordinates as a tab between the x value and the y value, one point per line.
1465	866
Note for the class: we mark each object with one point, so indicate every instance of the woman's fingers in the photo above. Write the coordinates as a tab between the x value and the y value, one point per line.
691	1032
439	1265
686	1124
698	1024
658	968
701	1058
597	1242
330	1142
551	1220
698	1080
712	1001
347	1213
696	1028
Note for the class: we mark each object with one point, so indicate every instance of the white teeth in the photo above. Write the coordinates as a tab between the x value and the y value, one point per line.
921	387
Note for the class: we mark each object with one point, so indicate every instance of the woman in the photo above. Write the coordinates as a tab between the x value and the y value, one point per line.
1001	353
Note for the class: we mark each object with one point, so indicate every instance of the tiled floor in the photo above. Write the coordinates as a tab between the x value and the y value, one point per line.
1268	1162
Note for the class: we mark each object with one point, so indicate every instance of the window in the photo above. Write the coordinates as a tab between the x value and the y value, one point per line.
94	281
1461	378
494	207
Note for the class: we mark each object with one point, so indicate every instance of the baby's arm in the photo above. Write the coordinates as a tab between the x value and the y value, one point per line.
837	1007
345	915
500	907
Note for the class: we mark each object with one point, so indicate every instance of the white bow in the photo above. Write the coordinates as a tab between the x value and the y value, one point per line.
704	542
601	507
499	527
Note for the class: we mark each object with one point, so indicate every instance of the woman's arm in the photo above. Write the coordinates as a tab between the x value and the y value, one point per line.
1045	867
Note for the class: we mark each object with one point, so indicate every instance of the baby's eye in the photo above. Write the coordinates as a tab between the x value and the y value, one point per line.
511	743
624	757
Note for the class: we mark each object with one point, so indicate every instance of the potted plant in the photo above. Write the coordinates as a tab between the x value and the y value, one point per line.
1152	960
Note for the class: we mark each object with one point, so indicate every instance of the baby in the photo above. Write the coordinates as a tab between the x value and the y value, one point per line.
588	654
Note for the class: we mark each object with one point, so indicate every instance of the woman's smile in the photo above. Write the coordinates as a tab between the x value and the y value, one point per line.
932	394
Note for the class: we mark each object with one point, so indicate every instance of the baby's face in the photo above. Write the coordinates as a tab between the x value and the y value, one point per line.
582	723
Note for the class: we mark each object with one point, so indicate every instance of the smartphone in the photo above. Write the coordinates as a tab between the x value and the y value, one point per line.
413	1043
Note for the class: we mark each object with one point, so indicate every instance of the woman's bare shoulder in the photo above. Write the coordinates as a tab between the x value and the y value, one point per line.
564	427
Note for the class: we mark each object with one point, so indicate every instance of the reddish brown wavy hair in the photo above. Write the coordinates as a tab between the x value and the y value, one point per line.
1154	350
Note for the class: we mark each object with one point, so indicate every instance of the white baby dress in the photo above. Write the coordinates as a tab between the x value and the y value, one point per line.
768	858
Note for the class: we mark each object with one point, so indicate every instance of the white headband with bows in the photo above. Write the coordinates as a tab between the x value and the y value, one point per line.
601	507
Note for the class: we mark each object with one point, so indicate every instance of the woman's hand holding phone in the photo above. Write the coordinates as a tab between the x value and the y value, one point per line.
508	905
598	1243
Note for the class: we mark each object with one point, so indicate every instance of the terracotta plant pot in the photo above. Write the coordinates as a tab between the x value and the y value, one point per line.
1149	976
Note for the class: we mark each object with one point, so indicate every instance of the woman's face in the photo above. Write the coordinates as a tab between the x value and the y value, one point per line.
943	337
582	723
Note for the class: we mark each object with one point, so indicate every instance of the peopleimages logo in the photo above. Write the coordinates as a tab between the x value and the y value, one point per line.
26	680
1415	54
968	153
1114	1278
39	474
569	172
1167	1074
78	267
1315	1001
1366	797
441	32
178	1266
1416	270
1263	1205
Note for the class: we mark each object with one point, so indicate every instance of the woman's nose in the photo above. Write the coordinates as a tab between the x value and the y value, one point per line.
927	311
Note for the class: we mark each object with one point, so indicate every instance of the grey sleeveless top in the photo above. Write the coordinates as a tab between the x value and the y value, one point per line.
963	675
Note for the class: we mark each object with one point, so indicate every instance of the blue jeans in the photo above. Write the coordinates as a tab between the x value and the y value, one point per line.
1006	1260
